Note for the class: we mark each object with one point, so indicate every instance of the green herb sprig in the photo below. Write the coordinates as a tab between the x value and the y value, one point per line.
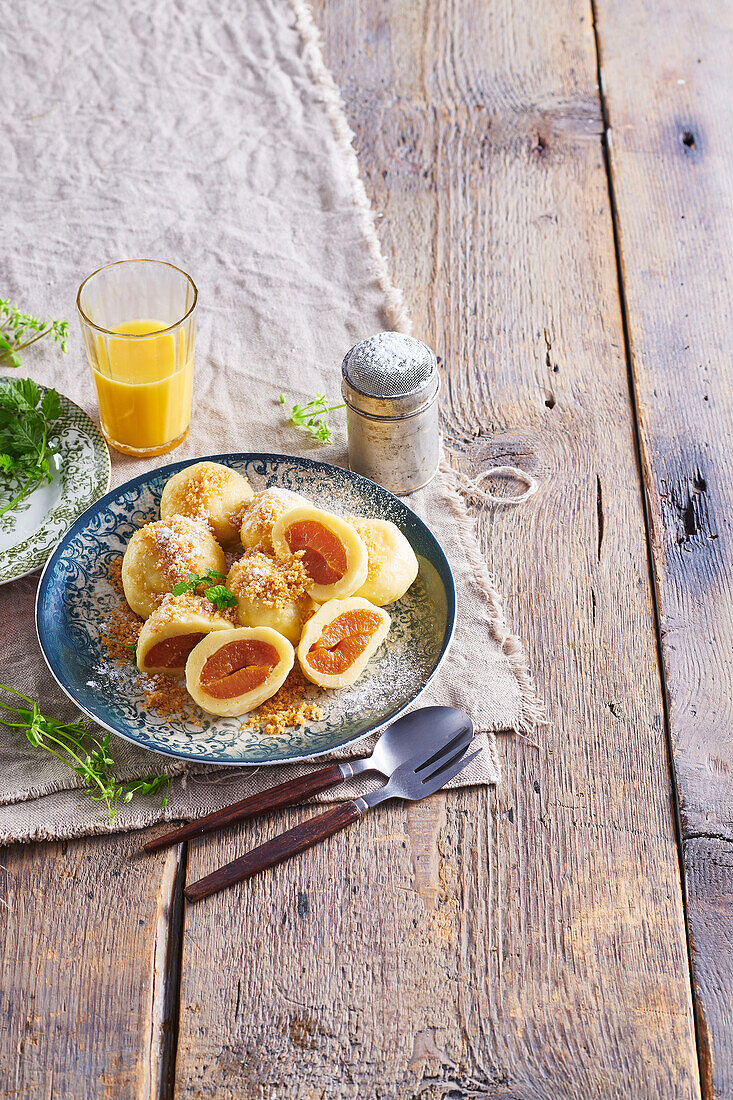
19	330
27	419
207	585
313	416
81	751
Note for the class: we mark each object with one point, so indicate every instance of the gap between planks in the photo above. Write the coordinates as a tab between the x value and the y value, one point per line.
702	1041
165	979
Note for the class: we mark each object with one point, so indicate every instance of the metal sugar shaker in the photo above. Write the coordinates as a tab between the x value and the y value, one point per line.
390	384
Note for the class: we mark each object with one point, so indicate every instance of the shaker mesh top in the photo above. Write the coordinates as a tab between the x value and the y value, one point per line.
389	364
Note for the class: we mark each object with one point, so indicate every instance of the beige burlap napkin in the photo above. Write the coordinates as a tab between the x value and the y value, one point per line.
227	153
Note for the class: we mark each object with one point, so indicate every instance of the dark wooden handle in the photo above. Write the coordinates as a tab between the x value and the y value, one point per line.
285	794
276	850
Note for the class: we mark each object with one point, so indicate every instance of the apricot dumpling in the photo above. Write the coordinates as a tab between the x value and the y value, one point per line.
262	513
270	592
173	629
333	552
339	639
161	554
392	562
210	492
230	672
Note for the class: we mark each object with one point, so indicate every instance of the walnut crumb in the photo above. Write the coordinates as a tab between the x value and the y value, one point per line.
123	626
168	697
263	579
292	705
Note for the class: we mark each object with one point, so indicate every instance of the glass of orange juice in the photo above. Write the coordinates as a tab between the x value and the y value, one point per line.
137	319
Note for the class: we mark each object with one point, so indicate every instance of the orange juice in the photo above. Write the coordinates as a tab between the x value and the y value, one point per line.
144	386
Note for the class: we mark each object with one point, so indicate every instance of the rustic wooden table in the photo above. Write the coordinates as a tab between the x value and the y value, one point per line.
553	188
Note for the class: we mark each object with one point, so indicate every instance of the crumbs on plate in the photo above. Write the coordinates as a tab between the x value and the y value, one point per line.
291	706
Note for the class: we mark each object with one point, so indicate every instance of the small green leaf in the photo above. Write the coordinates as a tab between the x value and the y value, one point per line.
51	405
220	596
312	417
206	584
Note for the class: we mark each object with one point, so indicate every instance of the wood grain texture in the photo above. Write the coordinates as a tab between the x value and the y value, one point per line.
671	115
528	942
84	953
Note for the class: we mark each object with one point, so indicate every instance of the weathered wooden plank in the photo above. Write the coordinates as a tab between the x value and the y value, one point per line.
669	91
84	953
528	942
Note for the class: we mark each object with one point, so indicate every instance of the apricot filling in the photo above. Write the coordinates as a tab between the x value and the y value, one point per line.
324	555
238	668
172	652
343	641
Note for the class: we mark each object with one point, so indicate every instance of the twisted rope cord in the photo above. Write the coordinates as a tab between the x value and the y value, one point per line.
471	488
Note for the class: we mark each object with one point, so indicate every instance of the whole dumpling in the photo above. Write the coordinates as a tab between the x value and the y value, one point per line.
271	593
210	492
392	562
163	553
262	513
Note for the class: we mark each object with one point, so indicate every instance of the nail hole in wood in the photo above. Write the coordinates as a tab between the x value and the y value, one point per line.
689	520
550	402
688	139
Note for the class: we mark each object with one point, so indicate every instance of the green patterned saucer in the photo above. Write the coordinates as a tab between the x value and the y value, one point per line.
29	532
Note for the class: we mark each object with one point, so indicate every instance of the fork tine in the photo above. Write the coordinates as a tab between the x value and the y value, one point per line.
448	771
444	762
466	734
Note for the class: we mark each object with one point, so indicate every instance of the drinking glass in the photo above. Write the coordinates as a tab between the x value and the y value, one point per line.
137	318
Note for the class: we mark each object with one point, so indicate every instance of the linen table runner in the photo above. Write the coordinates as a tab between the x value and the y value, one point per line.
212	136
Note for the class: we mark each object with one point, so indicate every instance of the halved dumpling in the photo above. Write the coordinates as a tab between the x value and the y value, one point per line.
161	554
261	514
339	640
270	592
333	552
210	492
173	630
230	672
392	562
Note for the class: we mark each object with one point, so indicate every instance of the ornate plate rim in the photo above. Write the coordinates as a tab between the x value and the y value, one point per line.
40	549
244	456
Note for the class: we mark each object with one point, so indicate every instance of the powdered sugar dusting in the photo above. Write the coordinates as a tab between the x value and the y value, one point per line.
118	692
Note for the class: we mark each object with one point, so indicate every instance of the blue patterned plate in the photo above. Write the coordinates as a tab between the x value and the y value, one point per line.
75	599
